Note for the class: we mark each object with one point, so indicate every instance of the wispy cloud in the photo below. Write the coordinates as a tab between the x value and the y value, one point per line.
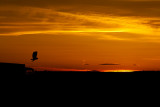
34	20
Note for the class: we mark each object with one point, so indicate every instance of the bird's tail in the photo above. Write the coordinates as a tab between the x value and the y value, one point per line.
32	60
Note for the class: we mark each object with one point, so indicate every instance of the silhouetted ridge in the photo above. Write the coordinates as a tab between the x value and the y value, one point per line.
12	68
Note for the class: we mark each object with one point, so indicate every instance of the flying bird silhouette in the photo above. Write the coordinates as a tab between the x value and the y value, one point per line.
34	56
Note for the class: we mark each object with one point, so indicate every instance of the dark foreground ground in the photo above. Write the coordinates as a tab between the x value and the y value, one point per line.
95	75
20	72
83	76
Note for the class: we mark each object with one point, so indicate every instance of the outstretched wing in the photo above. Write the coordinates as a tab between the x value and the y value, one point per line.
34	54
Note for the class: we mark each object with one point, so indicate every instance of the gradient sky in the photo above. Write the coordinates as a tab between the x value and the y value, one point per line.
69	33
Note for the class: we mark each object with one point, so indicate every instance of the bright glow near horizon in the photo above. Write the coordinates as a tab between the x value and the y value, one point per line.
121	70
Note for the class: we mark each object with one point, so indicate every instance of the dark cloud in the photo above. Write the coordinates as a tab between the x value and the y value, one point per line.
154	23
121	7
109	64
149	8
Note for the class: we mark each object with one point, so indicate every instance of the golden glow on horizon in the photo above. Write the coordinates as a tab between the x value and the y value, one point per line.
121	70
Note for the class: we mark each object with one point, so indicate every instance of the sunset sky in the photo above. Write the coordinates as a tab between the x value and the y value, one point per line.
71	33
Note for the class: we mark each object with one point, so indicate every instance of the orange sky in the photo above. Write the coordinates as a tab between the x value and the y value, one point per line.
69	33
